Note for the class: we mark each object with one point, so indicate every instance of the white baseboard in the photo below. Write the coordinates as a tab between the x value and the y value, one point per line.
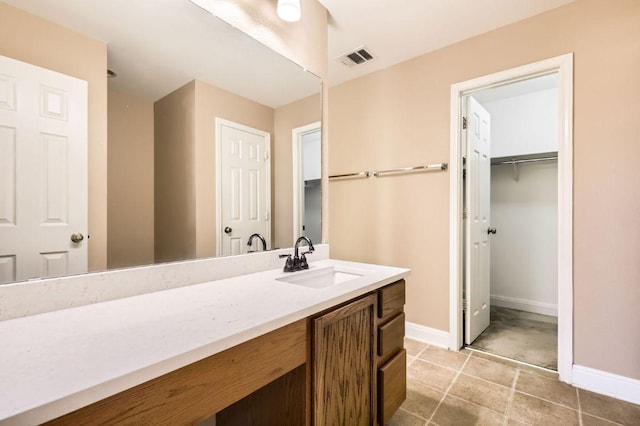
619	387
428	335
525	305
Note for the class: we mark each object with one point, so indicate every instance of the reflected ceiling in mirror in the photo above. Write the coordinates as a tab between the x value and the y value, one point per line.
156	47
180	72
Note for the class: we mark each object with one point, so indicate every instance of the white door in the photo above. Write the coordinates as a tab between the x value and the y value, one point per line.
478	185
244	201
43	172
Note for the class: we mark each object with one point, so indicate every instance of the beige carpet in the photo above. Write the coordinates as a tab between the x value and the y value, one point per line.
523	336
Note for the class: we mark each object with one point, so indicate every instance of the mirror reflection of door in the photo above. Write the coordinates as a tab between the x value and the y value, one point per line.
243	188
307	197
43	172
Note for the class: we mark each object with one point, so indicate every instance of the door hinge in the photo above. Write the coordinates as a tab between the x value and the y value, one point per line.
465	305
464	122
266	155
465	213
267	216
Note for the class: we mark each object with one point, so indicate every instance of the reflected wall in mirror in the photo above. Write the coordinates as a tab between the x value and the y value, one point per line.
154	191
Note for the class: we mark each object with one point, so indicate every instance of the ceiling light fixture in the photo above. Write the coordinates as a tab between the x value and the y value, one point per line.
289	10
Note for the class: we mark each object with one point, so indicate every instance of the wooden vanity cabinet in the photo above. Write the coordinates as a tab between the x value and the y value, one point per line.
358	361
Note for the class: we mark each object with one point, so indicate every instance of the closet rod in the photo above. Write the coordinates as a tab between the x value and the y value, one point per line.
438	166
528	160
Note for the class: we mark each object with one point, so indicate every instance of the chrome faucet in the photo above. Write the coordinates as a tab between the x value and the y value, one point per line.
264	242
298	262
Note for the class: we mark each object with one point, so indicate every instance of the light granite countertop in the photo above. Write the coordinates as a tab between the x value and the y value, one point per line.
56	362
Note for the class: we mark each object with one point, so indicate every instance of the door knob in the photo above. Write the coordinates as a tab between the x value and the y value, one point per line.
77	237
227	230
491	231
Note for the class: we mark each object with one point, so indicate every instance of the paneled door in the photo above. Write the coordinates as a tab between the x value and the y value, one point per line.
478	188
43	172
244	186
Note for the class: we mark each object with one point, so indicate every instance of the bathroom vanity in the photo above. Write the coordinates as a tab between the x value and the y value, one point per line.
322	346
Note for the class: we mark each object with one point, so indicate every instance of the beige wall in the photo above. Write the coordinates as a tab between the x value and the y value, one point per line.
212	102
287	118
130	180
174	188
28	38
400	117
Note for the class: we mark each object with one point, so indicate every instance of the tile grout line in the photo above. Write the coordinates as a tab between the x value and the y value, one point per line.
426	345
581	412
439	365
413	414
411	360
511	395
568	407
579	407
417	355
446	392
487	381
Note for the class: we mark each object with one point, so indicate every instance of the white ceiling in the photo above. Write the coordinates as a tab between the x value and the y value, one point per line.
156	46
398	30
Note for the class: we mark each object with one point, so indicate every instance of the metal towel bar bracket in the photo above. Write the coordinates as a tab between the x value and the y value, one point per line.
374	173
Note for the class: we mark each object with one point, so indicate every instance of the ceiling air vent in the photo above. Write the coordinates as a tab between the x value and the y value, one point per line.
356	57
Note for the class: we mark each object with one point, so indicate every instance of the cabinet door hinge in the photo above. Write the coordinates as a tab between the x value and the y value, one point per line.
465	305
464	122
465	213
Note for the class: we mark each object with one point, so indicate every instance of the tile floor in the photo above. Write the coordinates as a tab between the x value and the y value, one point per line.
473	388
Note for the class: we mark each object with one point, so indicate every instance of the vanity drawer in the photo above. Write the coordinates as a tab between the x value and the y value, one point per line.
392	386
391	336
391	300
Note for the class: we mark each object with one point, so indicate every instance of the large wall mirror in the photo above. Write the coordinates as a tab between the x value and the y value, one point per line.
211	137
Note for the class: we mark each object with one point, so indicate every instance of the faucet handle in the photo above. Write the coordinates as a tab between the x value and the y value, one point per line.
303	260
289	264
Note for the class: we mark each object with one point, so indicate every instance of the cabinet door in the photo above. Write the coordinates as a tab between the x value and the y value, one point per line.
343	365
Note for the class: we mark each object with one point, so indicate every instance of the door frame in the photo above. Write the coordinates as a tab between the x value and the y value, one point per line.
267	136
563	65
296	157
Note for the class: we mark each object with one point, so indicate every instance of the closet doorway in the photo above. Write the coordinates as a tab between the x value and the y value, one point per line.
307	188
476	259
510	180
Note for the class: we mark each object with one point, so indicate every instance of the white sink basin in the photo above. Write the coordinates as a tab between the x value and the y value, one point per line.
322	277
